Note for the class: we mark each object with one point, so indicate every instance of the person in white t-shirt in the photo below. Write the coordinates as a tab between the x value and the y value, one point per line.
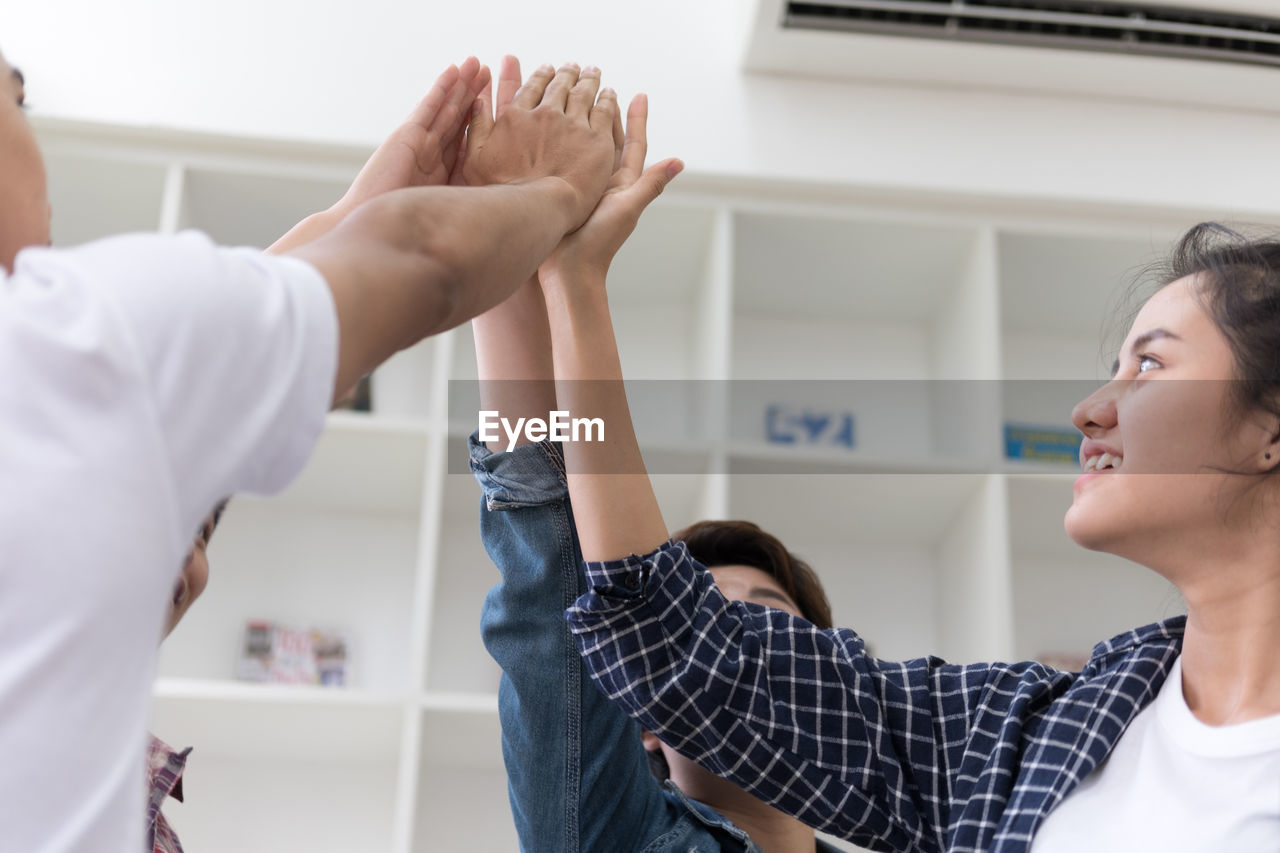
147	377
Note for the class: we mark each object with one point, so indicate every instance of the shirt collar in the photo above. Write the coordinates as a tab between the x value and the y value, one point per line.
165	766
1169	631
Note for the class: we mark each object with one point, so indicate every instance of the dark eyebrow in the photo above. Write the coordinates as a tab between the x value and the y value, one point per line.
1142	341
17	75
765	592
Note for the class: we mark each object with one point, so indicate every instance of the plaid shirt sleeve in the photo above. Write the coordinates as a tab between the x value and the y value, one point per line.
165	766
801	717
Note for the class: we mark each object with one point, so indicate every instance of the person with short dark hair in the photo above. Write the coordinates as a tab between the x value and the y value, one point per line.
579	771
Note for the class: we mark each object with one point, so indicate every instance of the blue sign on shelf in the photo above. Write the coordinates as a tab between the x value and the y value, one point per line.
809	427
1042	443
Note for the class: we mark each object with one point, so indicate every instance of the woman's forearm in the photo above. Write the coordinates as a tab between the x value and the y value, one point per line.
617	512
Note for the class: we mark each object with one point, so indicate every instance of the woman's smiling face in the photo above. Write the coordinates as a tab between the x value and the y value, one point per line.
1160	437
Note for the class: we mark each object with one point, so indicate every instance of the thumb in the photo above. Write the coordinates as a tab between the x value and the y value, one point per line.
655	179
481	122
456	178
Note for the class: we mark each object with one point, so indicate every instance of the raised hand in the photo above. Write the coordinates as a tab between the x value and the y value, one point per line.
553	126
423	151
585	254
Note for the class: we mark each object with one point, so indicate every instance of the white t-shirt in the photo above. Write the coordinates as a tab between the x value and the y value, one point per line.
142	379
1176	785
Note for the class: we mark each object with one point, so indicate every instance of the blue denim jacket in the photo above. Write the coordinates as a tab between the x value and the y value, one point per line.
578	776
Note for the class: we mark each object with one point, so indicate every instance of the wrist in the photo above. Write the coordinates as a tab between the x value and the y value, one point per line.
573	281
558	195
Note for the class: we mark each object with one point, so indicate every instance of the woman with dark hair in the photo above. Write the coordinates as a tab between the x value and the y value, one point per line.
1169	739
579	777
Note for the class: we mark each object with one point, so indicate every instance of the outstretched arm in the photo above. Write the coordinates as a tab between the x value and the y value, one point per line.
577	771
513	342
800	717
413	262
421	152
617	511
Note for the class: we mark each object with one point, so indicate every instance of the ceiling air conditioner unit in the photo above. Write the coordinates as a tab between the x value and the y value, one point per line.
1221	53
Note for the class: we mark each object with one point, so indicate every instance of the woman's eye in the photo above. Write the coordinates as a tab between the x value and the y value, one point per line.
1146	362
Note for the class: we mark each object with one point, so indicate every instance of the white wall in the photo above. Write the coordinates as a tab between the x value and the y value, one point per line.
346	71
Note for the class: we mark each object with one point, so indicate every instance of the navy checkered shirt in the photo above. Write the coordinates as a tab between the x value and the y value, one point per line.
920	756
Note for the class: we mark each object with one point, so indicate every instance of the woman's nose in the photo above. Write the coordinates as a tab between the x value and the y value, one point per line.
1097	412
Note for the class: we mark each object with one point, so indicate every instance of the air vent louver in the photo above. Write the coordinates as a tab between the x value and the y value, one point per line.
1114	27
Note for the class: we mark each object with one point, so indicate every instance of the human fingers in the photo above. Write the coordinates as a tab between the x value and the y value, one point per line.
619	141
483	80
454	147
583	94
469	68
652	182
481	120
605	111
425	112
508	82
451	117
557	93
530	94
636	145
456	175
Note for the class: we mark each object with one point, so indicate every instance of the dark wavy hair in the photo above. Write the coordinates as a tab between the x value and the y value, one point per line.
1239	283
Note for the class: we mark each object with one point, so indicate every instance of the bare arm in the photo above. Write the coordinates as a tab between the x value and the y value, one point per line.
417	261
513	341
616	510
421	152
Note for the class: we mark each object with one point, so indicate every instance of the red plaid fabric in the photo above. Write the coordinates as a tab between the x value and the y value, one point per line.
164	780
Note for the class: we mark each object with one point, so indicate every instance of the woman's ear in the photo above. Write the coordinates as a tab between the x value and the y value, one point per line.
1269	454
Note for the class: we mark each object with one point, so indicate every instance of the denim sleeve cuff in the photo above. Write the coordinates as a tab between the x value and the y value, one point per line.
530	475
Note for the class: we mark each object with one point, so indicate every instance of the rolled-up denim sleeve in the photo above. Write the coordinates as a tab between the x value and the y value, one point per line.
578	776
799	716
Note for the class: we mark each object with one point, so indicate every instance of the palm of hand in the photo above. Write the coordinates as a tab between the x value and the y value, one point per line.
604	232
410	157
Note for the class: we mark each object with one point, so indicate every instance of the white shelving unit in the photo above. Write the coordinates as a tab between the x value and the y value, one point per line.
928	540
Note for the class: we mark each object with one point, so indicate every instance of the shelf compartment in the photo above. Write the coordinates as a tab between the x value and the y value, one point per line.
244	208
1064	300
661	296
951	424
305	569
366	464
458	662
95	197
233	719
462	790
883	545
844	298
